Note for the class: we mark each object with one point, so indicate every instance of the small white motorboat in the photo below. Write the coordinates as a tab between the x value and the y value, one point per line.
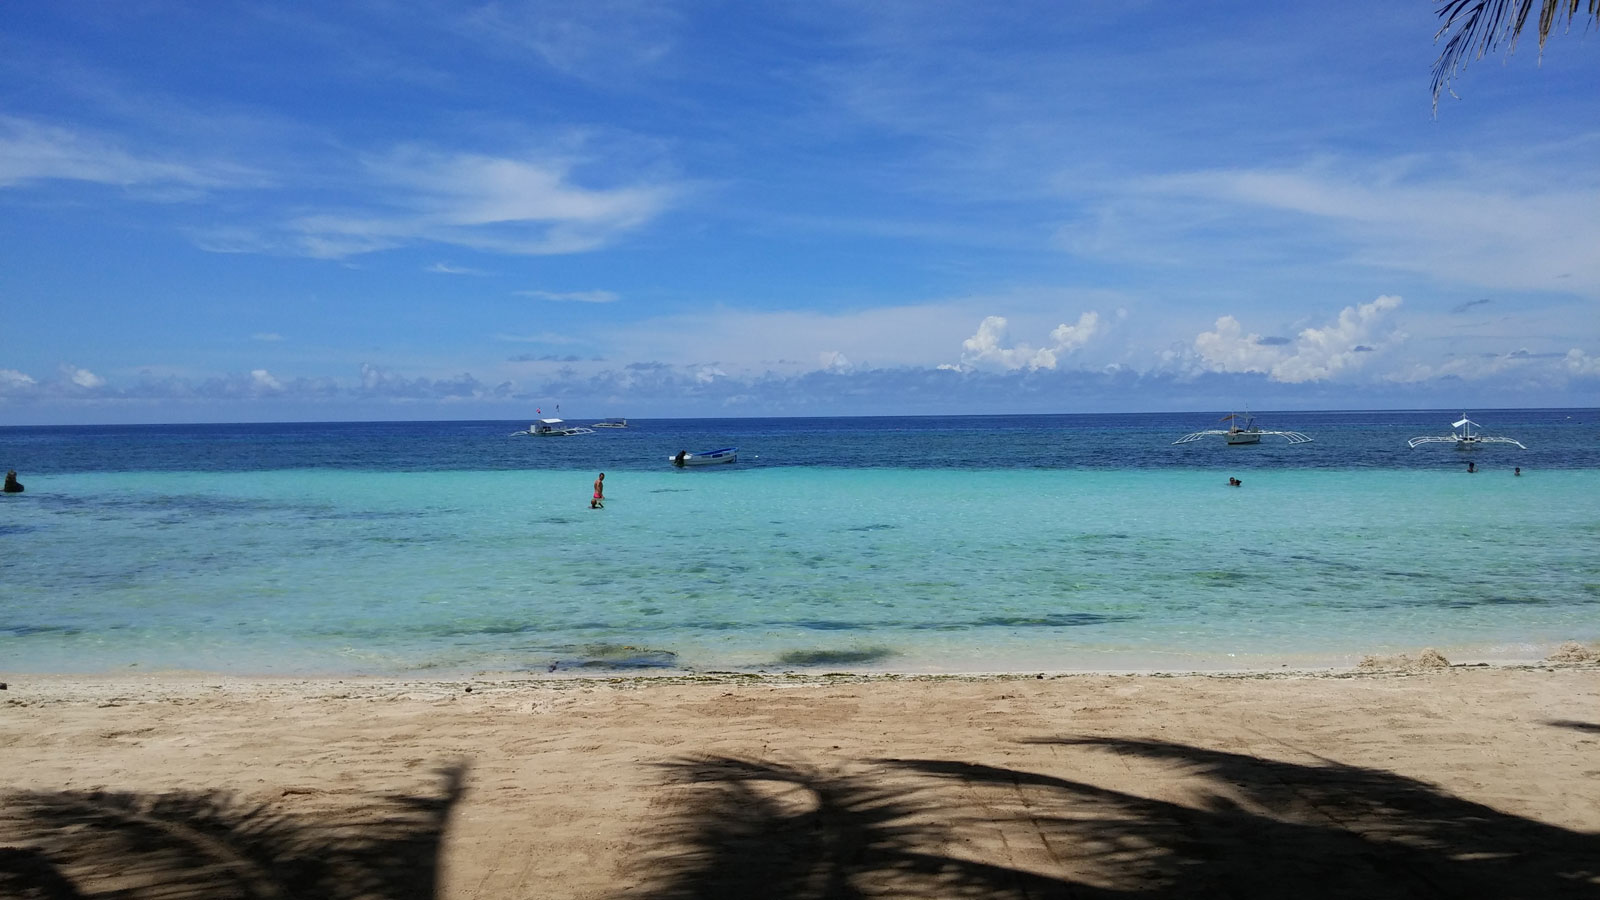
612	423
1243	431
552	428
704	457
1465	439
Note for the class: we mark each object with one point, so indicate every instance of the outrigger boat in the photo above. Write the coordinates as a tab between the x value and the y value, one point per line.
1243	431
704	457
1465	439
552	428
612	423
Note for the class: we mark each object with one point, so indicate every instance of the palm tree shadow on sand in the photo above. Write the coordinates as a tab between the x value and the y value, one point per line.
66	845
1255	828
1591	727
777	831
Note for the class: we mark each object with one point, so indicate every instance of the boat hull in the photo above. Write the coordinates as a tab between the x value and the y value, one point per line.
705	458
552	428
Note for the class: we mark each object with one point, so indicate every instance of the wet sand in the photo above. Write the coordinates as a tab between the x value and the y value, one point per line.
1464	781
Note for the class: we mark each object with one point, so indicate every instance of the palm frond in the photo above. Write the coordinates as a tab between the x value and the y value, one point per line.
1479	27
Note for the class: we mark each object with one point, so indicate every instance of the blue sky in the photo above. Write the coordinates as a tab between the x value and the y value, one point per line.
398	209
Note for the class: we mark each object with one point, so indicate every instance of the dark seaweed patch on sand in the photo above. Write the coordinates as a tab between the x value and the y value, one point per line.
1222	577
835	657
28	630
1054	620
828	625
613	656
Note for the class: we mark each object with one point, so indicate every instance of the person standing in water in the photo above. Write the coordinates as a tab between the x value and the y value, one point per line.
13	486
599	493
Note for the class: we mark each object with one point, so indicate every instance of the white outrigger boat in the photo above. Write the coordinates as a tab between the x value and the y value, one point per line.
704	457
1246	433
612	423
552	428
1465	439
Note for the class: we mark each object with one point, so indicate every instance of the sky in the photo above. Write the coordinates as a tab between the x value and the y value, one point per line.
418	209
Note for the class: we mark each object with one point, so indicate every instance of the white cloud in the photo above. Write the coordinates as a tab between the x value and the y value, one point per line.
1460	220
570	296
833	361
1072	337
262	380
590	40
34	151
1580	363
1477	367
12	379
1229	349
529	205
708	374
82	377
440	268
380	382
1320	353
987	348
508	205
1316	354
925	335
268	337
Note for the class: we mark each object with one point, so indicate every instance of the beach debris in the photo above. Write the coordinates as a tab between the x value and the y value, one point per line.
1569	652
1405	662
1432	659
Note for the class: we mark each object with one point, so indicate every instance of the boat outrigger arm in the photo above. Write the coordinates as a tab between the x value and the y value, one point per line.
1466	437
1293	437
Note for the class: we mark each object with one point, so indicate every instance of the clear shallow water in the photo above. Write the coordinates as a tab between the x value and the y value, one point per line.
1006	544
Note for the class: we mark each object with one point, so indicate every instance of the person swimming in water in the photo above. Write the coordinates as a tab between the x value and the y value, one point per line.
13	486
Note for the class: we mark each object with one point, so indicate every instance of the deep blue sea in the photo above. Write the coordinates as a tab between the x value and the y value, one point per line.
915	544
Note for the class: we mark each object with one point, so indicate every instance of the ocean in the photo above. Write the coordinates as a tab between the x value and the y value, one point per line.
894	544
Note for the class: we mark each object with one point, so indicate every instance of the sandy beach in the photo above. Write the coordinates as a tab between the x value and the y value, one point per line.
1464	781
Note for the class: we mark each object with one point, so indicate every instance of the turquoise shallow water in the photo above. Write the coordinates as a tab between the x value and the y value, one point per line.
338	570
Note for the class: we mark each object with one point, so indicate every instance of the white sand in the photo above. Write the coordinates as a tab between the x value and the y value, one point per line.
1466	781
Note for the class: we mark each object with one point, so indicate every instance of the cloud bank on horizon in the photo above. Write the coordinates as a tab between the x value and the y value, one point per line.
442	211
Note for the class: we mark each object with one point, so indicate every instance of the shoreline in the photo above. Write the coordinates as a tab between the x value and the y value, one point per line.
1418	659
56	685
